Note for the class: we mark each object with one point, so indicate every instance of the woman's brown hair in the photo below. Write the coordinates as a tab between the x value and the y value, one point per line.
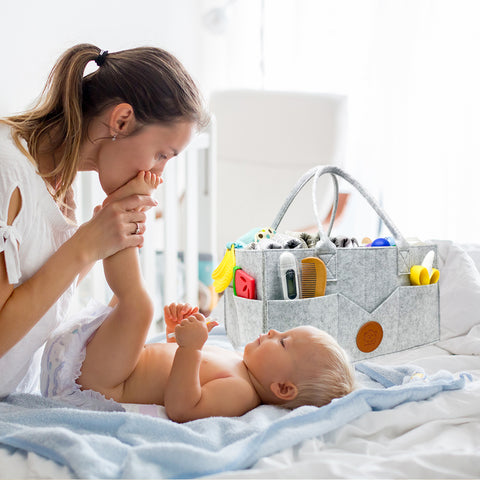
150	79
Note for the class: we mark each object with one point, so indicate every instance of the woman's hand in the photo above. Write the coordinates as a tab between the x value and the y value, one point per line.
114	227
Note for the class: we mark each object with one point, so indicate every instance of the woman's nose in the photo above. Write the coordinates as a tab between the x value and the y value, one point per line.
272	332
158	170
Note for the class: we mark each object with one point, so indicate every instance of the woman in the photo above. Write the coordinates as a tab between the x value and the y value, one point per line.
134	113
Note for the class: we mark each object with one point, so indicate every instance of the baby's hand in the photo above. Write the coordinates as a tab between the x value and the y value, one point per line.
174	314
192	332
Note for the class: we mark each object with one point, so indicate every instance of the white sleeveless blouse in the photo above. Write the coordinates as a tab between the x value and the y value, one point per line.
36	233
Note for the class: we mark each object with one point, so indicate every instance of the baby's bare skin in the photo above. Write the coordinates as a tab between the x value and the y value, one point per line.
191	380
145	183
149	379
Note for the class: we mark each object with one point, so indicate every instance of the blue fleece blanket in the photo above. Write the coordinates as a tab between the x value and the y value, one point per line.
129	445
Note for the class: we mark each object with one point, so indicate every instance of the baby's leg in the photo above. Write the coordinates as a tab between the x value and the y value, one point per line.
113	352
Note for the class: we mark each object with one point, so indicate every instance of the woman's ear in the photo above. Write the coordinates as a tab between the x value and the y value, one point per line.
122	120
285	391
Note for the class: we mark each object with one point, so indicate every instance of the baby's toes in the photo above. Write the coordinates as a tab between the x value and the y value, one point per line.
154	181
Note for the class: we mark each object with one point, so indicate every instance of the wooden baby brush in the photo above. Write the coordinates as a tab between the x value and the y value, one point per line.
314	277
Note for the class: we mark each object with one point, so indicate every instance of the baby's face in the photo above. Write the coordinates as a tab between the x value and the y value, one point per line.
278	356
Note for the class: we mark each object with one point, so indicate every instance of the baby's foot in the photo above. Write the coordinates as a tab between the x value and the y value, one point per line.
144	183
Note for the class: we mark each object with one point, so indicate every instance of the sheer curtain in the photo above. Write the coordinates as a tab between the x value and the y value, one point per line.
411	72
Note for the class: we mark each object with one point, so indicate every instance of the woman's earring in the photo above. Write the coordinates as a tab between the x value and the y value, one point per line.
114	137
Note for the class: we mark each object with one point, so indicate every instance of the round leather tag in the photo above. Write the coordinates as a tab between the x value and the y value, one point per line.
369	337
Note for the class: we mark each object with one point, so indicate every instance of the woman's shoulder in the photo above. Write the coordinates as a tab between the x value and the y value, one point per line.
14	165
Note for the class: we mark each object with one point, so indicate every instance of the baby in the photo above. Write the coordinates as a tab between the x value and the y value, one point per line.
298	367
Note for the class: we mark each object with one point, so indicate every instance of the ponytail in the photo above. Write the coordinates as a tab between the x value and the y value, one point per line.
56	120
150	79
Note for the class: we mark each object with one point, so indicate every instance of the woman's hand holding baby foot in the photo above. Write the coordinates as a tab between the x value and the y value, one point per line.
143	185
120	222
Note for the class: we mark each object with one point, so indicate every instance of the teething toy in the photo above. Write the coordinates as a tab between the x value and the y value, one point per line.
425	274
243	284
223	274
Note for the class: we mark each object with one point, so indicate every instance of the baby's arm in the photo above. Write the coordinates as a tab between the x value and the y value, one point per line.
185	398
183	389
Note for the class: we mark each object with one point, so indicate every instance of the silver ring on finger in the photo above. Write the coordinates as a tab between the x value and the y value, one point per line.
137	229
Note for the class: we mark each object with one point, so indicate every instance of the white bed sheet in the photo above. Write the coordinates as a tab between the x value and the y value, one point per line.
438	438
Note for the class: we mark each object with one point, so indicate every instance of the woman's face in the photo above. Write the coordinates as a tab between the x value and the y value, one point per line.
149	150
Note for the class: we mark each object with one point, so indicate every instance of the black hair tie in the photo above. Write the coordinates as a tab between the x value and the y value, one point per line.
100	60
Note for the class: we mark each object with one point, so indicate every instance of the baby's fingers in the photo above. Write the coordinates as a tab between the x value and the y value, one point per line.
170	313
184	311
197	316
188	310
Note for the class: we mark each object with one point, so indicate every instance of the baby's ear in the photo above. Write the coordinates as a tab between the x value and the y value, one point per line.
285	391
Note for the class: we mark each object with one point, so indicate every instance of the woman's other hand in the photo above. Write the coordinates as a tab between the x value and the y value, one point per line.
114	227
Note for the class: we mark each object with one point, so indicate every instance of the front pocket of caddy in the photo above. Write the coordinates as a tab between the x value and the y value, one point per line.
243	318
320	312
366	334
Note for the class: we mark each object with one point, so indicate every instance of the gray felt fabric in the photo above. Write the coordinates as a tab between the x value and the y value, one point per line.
363	284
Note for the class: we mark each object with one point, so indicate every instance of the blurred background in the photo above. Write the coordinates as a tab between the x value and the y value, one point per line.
408	70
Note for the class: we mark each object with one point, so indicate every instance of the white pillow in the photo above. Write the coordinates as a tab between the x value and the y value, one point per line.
459	290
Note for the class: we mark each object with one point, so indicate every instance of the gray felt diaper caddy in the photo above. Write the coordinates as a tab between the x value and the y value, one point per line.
368	289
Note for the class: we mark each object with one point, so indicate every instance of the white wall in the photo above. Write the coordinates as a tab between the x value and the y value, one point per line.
408	67
34	33
409	70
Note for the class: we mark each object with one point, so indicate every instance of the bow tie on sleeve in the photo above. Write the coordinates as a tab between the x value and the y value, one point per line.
10	238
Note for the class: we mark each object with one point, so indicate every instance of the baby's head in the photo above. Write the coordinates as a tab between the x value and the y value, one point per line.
302	366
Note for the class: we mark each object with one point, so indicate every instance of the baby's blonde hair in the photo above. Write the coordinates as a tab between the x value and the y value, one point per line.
322	381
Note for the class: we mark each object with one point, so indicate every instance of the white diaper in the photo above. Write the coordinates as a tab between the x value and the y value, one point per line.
63	357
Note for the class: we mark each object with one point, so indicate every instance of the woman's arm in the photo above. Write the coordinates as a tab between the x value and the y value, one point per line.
109	231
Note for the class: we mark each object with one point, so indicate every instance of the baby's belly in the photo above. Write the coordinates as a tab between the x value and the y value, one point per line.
148	381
